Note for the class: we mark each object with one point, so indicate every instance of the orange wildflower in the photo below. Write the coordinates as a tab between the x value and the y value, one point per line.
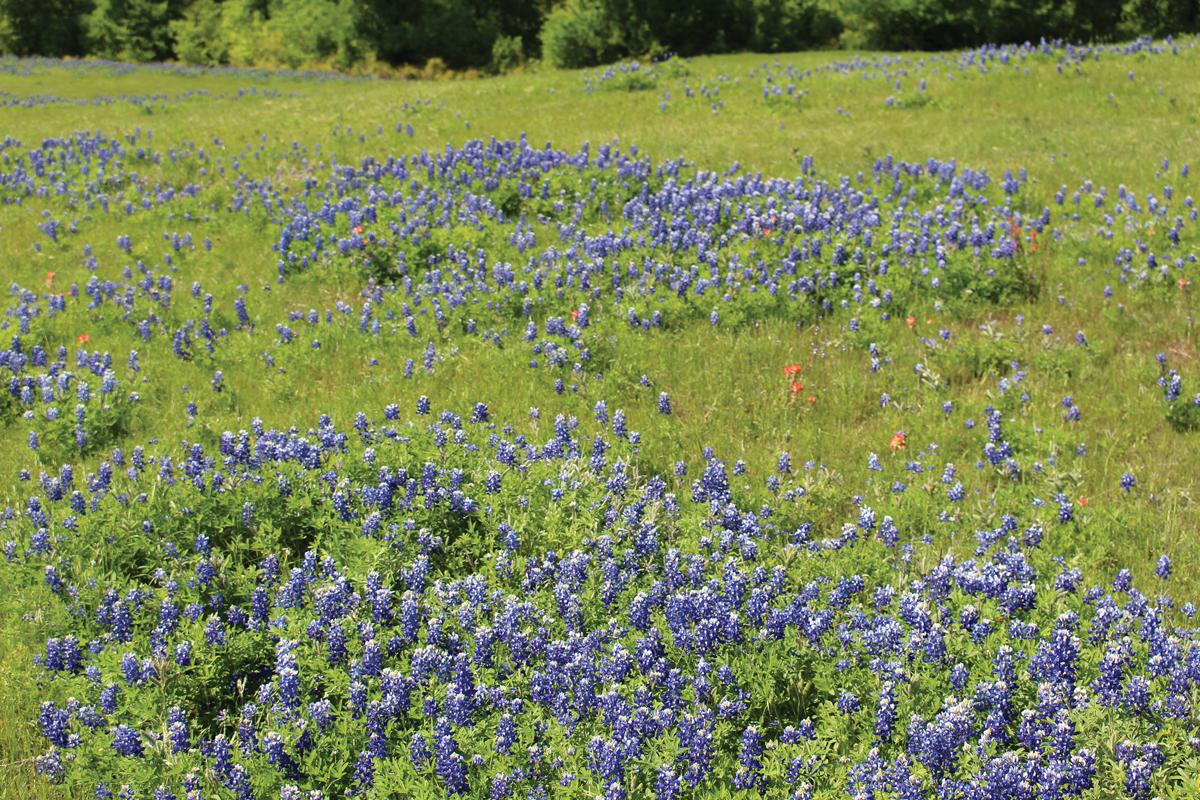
83	338
797	388
899	442
50	278
911	321
792	369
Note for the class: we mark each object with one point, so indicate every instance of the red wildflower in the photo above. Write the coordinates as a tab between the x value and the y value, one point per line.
83	338
899	442
792	369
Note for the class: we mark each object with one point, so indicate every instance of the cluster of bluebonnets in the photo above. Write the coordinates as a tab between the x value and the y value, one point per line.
783	84
675	642
147	103
433	601
32	65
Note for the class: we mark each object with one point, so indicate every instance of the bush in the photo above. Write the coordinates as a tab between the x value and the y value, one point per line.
508	53
305	32
498	35
129	30
581	33
943	24
199	35
1183	414
42	27
460	32
708	26
921	24
241	28
463	33
292	33
1160	17
793	25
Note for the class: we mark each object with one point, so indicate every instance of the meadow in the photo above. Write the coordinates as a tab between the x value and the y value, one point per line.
813	426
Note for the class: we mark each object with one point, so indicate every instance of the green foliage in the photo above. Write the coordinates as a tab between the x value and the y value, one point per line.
1005	284
685	28
1183	414
287	33
105	423
301	32
499	36
974	359
942	24
782	25
130	30
242	24
463	33
200	35
508	53
913	100
921	24
582	33
1015	20
1160	17
446	29
42	27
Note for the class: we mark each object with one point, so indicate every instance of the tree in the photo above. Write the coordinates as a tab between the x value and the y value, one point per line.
42	27
131	30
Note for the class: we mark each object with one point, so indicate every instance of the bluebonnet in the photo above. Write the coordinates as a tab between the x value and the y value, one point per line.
749	767
127	741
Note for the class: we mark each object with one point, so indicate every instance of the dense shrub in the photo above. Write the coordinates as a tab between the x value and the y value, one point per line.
921	24
199	34
1161	17
290	33
582	33
300	32
942	24
707	26
130	30
463	33
41	27
508	53
781	25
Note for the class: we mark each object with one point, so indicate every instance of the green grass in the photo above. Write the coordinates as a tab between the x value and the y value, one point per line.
725	384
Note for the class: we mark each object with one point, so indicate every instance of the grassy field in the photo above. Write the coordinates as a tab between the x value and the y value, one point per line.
164	199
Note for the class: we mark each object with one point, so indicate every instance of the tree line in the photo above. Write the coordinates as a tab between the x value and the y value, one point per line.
499	35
